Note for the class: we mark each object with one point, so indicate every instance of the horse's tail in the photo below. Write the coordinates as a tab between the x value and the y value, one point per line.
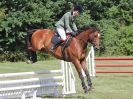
29	35
31	55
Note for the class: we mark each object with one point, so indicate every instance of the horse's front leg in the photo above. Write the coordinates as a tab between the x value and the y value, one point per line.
78	68
84	66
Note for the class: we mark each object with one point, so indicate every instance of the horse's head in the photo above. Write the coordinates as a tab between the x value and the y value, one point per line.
96	39
90	34
94	35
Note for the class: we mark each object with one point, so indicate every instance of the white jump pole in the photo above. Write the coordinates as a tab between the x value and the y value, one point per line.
91	62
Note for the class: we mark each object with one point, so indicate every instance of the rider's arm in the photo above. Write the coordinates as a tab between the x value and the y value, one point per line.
74	27
67	23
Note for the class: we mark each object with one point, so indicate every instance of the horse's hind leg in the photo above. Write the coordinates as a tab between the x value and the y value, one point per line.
31	57
78	68
83	64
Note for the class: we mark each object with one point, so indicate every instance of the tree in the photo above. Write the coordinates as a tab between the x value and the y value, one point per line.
114	19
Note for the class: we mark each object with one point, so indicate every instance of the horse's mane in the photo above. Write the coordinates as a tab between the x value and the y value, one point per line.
87	27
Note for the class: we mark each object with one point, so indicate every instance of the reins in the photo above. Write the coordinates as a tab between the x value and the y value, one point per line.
78	37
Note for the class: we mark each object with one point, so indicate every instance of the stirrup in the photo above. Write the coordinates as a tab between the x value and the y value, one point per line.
52	49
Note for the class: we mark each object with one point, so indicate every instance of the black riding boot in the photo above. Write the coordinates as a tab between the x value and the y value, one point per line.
56	42
54	46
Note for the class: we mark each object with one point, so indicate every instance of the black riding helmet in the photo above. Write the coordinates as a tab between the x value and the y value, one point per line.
78	8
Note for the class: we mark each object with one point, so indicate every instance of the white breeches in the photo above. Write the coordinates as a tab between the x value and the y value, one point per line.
62	33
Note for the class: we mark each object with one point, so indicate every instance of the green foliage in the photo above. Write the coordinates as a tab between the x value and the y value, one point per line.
12	56
125	42
108	38
114	18
84	19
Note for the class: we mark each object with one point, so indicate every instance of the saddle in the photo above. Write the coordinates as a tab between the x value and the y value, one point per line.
57	41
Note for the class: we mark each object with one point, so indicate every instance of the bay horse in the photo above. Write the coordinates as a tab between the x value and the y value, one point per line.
75	52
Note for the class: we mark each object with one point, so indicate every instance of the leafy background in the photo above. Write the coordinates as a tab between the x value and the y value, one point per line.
114	18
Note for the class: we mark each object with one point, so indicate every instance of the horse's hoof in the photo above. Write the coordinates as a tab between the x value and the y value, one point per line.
86	91
90	88
29	62
29	48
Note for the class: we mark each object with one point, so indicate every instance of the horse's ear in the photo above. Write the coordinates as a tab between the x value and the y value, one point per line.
79	31
83	28
93	25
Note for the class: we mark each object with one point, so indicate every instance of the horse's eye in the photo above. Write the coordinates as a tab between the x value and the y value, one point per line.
96	36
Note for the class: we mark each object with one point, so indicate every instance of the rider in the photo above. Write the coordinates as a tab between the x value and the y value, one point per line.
67	24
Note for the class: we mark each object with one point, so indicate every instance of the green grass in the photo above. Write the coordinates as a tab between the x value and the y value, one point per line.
109	86
8	67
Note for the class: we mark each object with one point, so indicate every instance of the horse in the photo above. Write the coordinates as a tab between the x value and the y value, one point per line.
75	52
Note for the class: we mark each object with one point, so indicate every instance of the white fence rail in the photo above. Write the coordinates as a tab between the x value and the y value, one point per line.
32	84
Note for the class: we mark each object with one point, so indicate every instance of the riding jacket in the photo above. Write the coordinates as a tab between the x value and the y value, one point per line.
67	22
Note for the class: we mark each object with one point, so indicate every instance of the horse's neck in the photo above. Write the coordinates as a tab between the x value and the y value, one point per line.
84	38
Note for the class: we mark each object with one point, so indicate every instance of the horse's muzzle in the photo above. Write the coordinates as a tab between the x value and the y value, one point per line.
96	47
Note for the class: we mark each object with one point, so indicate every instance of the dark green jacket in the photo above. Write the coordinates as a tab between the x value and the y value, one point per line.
67	22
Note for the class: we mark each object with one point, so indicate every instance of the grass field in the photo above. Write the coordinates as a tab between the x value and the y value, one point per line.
109	86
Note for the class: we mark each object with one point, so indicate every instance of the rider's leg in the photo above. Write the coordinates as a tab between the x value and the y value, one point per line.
62	34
